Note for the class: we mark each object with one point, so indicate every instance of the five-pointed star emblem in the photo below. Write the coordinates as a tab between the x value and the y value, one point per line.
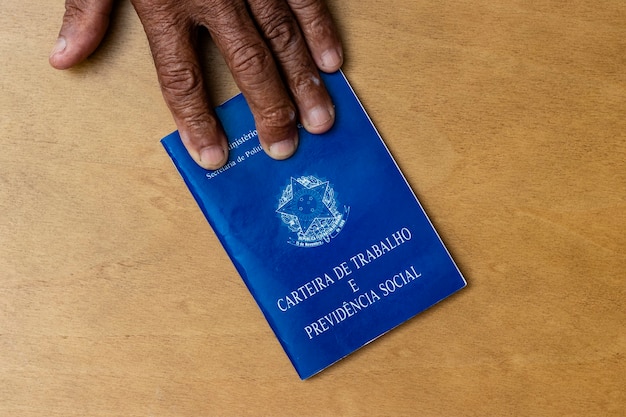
306	204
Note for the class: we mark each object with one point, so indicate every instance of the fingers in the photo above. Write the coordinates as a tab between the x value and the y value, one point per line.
84	24
296	37
255	72
320	33
282	32
171	37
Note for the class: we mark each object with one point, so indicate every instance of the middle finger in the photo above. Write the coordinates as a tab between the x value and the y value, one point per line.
254	70
282	32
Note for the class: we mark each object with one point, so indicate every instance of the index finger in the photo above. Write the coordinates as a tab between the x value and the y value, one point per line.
172	42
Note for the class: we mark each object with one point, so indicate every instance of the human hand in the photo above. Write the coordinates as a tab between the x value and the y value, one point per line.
259	39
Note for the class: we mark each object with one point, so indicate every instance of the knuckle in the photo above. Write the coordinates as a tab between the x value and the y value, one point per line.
250	59
319	28
179	79
74	8
304	83
80	9
278	117
199	124
281	31
76	14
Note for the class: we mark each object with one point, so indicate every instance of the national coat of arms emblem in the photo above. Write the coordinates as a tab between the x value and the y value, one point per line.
308	207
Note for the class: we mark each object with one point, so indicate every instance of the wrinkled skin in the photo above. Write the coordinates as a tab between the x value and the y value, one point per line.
273	48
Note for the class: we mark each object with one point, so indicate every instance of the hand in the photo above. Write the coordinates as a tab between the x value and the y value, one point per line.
259	39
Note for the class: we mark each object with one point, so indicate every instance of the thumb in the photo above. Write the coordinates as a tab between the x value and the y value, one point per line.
84	24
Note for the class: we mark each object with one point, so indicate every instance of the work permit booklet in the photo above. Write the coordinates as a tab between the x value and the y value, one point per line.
332	243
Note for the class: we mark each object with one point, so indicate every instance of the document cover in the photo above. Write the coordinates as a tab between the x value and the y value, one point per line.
332	243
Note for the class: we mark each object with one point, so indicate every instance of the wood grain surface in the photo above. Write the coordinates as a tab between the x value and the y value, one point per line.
508	119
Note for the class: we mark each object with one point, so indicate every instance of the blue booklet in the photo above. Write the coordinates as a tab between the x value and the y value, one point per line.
332	243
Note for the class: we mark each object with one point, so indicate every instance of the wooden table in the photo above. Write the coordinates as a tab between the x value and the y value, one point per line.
508	119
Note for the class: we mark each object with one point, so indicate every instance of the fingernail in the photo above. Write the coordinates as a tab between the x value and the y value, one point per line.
283	149
59	46
318	116
212	157
331	59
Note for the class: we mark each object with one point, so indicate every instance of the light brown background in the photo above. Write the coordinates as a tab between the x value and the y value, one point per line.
508	119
